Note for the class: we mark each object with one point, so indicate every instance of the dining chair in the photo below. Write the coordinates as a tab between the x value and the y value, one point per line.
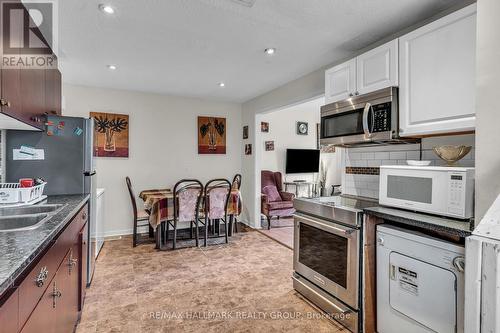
217	193
235	204
187	198
139	215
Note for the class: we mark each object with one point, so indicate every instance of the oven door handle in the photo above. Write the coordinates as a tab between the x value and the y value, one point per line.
366	113
338	231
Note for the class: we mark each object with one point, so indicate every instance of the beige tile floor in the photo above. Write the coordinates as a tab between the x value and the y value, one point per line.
244	286
281	231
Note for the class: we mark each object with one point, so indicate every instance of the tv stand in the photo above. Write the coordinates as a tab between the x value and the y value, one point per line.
311	187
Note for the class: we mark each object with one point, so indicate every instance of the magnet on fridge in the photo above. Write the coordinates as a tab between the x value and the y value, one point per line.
78	131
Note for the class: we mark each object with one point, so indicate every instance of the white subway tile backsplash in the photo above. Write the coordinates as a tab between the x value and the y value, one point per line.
354	156
413	155
368	156
359	163
374	163
397	155
373	157
429	155
383	155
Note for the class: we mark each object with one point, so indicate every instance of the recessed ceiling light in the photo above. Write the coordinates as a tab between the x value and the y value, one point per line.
222	84
112	67
270	50
107	9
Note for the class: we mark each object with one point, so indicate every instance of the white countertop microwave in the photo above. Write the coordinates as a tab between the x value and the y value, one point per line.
446	191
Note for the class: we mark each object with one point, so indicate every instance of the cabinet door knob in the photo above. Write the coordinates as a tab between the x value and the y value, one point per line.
350	94
356	93
4	102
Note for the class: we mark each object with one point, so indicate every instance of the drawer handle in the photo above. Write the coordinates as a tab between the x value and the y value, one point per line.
4	102
71	262
55	294
41	277
84	216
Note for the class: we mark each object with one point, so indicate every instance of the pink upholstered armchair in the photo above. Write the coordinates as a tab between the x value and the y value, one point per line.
274	202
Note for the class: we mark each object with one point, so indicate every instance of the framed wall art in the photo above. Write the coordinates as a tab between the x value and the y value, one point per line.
245	132
211	135
111	134
269	145
248	149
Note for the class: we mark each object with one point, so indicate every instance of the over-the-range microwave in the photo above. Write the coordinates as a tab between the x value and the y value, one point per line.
446	191
365	120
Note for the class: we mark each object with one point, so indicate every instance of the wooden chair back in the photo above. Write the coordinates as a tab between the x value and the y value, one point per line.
132	196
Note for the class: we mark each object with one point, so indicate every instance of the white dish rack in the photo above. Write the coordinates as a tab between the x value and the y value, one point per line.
13	193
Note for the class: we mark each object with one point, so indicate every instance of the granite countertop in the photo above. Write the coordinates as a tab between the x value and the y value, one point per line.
19	248
430	222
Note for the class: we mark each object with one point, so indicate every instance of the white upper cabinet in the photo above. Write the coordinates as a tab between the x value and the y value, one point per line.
373	70
378	68
340	81
437	76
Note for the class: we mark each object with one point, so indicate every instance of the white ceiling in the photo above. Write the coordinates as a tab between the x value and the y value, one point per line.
185	47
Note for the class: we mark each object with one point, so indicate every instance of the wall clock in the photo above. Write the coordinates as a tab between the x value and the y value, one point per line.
302	128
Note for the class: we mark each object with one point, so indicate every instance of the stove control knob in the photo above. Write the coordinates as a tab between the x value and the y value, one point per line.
380	241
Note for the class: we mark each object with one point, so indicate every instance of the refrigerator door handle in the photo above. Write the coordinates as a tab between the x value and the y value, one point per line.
89	173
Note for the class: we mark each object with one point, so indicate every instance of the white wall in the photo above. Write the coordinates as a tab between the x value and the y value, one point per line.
163	144
282	124
282	130
487	110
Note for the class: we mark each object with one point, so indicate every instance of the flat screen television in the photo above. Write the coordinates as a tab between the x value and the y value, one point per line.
302	160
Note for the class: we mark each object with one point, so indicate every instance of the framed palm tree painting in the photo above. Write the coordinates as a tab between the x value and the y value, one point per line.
110	134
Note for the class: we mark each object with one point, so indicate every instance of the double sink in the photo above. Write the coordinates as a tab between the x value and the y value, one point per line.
27	217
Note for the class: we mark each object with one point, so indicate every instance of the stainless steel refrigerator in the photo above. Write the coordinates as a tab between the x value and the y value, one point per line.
67	164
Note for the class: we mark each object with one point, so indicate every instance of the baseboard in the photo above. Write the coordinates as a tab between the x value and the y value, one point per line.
115	233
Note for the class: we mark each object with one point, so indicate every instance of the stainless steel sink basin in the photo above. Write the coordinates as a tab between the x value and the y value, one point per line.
27	217
22	222
26	210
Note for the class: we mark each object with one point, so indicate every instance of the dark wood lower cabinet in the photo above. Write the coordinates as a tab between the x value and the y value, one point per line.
66	299
83	241
52	306
42	320
9	316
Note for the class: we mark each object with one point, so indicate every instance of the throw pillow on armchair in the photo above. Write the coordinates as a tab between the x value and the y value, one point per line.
272	193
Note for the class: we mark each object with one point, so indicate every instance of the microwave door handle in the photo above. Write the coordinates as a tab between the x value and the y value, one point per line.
366	114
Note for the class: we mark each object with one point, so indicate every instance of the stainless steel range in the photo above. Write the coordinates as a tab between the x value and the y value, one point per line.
327	255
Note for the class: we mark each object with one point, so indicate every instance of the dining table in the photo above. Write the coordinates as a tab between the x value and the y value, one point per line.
159	203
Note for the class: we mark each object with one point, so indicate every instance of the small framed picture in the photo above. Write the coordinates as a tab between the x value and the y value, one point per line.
248	149
264	127
269	145
245	132
302	128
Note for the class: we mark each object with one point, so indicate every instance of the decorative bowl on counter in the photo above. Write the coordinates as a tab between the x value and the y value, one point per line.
452	154
418	163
